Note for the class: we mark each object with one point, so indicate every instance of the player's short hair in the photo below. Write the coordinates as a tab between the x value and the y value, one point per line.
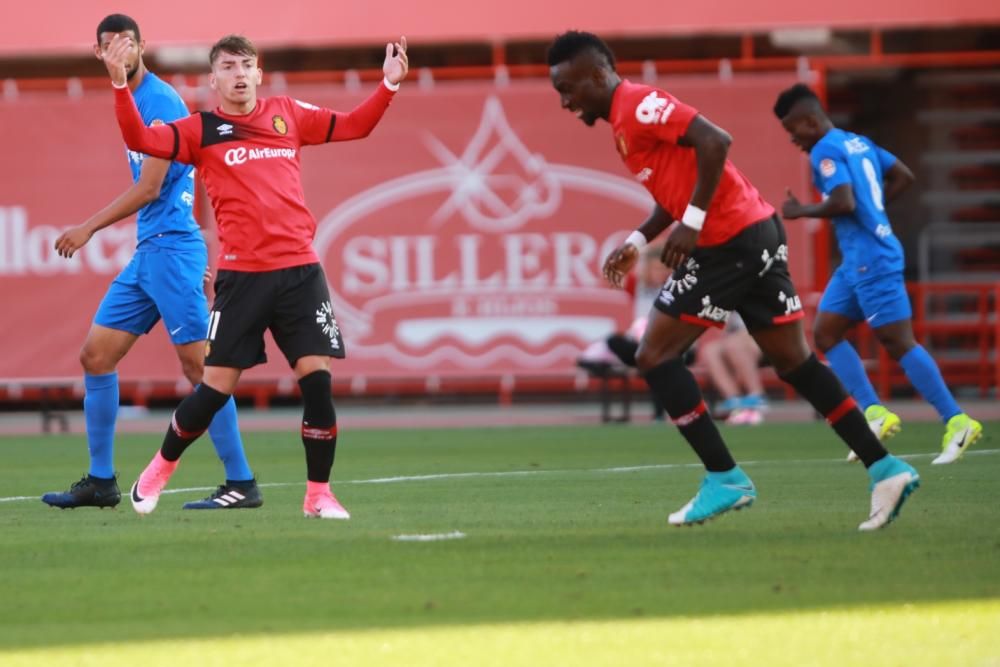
792	96
573	42
118	23
235	44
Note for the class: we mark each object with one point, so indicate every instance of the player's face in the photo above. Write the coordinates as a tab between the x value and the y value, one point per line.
134	52
582	87
236	77
803	130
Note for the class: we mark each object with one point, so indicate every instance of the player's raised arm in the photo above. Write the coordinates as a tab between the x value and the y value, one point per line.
362	120
161	141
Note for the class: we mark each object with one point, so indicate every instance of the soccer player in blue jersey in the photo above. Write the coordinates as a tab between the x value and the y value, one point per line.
856	178
164	280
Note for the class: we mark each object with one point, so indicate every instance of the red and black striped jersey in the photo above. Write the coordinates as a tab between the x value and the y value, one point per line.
251	170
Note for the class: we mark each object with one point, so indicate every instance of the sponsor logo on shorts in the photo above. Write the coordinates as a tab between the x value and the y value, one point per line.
711	312
883	231
644	174
792	303
328	323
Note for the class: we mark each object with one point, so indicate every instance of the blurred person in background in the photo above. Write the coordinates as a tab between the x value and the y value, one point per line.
728	253
856	178
732	360
642	285
247	151
164	279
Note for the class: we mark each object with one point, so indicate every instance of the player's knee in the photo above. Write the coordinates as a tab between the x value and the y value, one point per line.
96	361
895	344
193	370
647	358
825	339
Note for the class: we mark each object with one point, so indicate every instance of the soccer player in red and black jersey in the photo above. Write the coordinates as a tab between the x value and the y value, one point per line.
728	253
247	152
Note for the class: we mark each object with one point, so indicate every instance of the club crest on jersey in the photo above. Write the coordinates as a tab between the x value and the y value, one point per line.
280	126
621	144
827	168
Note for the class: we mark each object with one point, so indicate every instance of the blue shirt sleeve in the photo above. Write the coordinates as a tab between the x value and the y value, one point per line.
829	168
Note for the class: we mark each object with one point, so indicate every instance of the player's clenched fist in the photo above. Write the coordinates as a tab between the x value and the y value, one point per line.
619	262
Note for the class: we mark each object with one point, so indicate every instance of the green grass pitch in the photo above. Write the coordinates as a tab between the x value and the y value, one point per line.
566	557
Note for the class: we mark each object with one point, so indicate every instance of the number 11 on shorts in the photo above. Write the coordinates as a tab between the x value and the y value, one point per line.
213	323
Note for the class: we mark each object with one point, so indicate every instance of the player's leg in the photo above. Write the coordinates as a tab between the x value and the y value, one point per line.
889	307
175	280
839	311
742	354
698	295
306	331
240	490
125	313
773	314
243	303
712	353
829	330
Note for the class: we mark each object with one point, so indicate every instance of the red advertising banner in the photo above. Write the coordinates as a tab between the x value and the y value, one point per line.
464	236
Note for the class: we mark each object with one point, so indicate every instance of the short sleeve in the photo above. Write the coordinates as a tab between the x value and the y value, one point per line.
315	124
829	169
885	159
661	115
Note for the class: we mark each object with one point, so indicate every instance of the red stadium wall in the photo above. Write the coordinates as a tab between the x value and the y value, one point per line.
464	237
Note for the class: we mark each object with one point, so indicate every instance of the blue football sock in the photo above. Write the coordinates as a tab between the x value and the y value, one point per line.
846	363
225	433
100	410
926	377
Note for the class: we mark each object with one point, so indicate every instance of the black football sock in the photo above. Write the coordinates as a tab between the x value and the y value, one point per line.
319	425
191	419
817	384
677	391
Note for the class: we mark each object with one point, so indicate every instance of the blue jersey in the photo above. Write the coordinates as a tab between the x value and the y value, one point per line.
867	244
168	221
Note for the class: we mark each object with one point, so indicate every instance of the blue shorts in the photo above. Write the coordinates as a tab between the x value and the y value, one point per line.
159	282
879	300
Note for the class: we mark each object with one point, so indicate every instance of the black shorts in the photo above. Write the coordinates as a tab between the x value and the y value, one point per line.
748	274
294	303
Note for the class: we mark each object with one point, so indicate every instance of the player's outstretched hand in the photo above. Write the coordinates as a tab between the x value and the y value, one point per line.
679	245
72	240
396	64
114	58
792	208
620	262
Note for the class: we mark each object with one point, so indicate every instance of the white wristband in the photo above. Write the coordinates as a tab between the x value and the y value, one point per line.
637	239
115	85
391	86
693	217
